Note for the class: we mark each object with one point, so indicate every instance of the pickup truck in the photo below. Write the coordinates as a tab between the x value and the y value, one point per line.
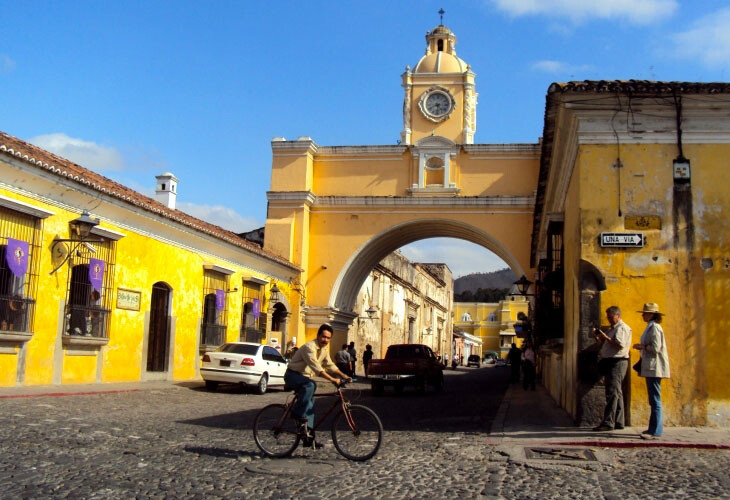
406	364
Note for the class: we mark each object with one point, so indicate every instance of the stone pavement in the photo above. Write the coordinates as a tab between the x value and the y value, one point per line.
527	417
172	440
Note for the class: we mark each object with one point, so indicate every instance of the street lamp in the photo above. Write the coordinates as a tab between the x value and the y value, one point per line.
523	284
274	293
371	312
81	227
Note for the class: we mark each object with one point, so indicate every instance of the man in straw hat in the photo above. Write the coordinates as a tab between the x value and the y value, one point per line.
654	366
615	345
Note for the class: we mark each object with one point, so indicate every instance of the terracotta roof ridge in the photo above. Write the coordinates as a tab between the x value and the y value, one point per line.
58	165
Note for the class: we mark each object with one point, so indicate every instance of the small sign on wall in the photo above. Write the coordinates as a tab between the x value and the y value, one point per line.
622	240
128	299
641	222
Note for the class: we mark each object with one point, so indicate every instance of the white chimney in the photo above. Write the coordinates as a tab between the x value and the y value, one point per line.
166	191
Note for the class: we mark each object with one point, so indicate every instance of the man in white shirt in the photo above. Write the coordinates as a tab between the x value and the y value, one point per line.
614	363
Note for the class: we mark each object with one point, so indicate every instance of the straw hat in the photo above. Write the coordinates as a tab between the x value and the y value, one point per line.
651	307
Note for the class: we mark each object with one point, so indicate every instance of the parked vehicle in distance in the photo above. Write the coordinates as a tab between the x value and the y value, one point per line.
490	357
473	360
247	363
406	364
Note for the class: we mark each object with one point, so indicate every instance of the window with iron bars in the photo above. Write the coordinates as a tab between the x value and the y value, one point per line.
252	329
88	310
214	324
18	293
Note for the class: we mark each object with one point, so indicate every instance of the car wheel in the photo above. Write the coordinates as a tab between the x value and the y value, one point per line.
211	385
262	385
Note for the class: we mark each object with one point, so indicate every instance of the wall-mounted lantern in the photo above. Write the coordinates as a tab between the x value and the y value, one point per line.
62	249
523	285
274	293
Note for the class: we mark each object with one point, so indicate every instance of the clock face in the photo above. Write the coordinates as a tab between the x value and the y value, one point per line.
438	104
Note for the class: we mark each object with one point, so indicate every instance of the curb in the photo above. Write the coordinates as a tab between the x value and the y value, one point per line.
640	444
62	394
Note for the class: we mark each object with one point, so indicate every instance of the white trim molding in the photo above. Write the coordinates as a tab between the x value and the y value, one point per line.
26	208
208	266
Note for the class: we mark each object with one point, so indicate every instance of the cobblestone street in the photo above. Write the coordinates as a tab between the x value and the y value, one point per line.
180	441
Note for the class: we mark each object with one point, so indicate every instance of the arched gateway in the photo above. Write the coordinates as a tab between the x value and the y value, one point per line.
337	210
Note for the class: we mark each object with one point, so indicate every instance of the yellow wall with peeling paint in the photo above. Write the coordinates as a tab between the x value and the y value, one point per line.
691	284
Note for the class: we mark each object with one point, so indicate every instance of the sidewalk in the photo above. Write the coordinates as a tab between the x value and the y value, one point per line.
35	391
532	418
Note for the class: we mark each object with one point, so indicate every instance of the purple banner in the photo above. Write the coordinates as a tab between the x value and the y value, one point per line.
16	255
96	273
256	308
220	300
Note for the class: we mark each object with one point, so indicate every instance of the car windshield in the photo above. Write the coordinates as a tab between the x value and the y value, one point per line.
239	348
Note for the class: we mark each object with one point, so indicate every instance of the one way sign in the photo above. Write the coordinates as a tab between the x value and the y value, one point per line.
622	240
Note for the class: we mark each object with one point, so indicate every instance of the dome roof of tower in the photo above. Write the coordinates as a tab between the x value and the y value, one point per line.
440	62
440	53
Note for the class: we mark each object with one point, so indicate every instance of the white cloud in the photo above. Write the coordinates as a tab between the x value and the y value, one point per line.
634	11
708	40
559	67
461	256
219	215
6	64
86	153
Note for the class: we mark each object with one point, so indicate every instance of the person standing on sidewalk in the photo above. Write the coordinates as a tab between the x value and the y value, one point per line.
342	359
654	366
367	355
614	362
528	366
353	360
515	357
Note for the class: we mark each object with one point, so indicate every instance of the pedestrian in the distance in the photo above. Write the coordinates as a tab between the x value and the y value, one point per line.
353	359
342	359
654	366
528	366
515	358
366	357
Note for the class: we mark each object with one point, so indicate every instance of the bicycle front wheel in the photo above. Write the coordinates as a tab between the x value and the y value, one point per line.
357	433
275	432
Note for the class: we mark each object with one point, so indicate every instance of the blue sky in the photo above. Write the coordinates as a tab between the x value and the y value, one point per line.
131	89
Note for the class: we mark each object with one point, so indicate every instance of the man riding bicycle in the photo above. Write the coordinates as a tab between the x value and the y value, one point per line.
312	359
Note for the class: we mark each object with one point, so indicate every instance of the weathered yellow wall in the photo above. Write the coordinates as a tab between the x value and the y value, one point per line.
79	369
667	272
375	176
8	371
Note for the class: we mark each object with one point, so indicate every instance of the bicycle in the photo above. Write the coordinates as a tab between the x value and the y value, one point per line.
357	432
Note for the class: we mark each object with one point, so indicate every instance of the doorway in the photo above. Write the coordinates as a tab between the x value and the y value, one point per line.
159	332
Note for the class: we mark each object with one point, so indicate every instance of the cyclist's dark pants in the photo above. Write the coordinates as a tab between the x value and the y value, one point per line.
304	387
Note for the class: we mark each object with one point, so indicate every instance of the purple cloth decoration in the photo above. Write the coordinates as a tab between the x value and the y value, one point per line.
220	300
16	255
96	273
256	308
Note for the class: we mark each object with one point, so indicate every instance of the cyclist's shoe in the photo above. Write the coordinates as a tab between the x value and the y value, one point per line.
310	442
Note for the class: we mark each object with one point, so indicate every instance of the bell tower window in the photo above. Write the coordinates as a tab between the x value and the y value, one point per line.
440	45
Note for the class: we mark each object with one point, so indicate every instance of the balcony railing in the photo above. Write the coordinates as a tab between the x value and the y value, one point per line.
212	335
16	313
86	321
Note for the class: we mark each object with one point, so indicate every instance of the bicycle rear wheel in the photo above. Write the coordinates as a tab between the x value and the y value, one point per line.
357	433
275	432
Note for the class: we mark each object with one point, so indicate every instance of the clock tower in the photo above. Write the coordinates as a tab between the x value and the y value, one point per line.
439	93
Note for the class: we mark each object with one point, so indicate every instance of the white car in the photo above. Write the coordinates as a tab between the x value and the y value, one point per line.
244	363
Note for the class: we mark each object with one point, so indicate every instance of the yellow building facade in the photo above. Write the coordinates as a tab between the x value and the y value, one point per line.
631	208
493	323
139	298
336	211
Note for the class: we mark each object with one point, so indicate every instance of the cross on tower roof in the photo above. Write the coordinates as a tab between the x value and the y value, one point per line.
441	13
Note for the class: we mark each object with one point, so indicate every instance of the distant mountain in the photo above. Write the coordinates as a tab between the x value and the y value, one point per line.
502	279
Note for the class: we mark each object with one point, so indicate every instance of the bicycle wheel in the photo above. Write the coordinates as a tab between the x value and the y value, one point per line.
275	432
358	437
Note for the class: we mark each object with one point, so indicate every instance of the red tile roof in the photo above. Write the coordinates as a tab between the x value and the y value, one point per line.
62	167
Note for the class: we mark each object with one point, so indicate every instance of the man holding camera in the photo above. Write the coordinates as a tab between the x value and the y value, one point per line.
614	362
